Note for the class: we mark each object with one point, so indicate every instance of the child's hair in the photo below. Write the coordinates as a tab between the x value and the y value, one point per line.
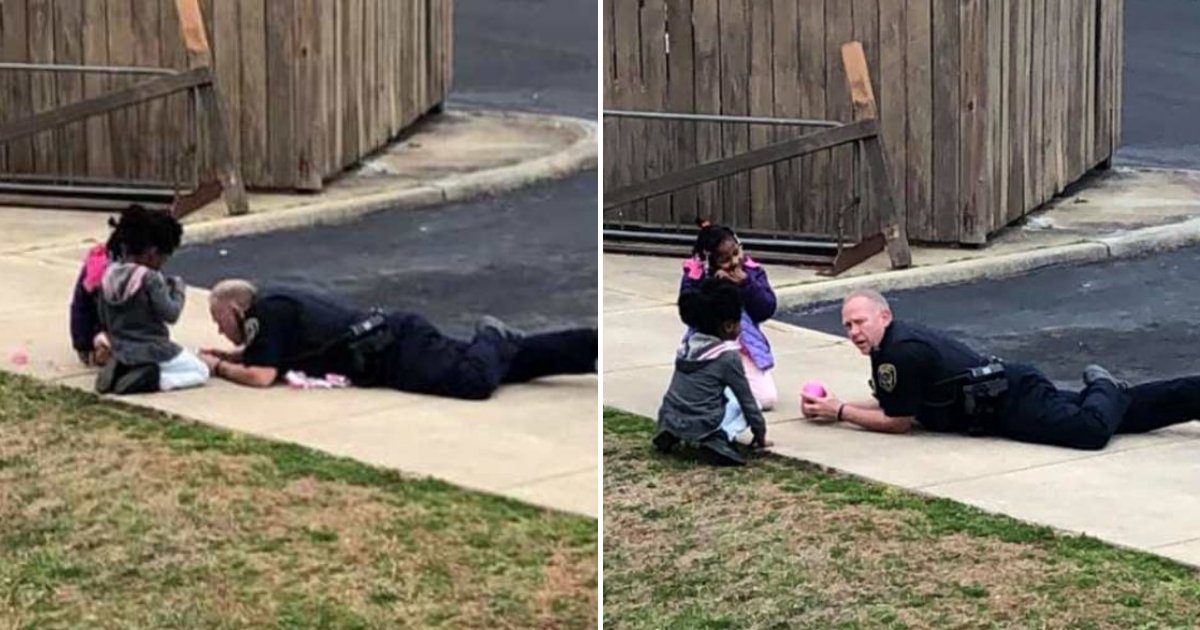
707	309
710	238
140	229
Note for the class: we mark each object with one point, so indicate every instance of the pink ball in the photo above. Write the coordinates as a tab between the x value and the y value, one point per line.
814	389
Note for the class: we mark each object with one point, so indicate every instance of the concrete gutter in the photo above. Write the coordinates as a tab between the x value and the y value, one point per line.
580	155
1130	244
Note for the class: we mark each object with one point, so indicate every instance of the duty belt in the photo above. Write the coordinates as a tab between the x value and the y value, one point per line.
983	390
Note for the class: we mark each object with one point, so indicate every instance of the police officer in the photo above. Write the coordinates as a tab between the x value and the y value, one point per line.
923	376
281	330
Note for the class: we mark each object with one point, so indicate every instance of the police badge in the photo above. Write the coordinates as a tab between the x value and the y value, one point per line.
886	377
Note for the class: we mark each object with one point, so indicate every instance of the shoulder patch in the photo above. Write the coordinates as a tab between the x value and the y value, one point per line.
886	377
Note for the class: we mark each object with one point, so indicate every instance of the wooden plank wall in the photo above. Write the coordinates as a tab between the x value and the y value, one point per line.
988	107
312	85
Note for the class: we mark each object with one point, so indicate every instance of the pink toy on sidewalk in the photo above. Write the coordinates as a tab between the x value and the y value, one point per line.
19	358
813	389
299	380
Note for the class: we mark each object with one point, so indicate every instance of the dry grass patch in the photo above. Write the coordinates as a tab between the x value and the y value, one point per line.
780	544
115	517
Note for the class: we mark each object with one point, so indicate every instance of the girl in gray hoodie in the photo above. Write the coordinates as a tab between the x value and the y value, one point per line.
709	401
138	302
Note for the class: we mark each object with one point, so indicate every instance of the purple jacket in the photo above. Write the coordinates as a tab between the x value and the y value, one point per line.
85	310
758	305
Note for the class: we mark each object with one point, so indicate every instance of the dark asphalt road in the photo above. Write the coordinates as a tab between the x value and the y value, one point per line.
523	258
1161	125
1137	317
534	55
528	257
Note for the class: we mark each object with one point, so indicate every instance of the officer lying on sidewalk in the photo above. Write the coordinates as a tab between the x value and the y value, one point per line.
924	376
283	330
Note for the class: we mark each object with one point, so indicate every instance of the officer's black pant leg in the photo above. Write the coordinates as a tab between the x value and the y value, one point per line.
564	352
479	367
433	363
1162	403
1043	414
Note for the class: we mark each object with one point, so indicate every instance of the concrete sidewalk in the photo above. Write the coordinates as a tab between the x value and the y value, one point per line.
1140	492
536	442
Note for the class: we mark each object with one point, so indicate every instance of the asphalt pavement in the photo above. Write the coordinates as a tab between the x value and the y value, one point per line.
1162	88
529	257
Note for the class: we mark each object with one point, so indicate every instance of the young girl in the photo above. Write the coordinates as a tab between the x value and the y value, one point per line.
709	401
718	254
137	302
87	337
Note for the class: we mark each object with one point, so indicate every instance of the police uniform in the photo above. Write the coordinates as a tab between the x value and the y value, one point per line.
913	369
297	330
918	372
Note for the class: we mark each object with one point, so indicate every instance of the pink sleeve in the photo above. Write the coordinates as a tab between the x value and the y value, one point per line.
94	267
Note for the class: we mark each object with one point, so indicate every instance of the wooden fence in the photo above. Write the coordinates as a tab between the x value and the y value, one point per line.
989	107
312	86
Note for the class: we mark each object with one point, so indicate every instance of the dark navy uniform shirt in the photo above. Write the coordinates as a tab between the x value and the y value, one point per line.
293	326
906	371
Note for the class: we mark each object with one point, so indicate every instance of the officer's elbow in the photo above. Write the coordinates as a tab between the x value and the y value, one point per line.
899	425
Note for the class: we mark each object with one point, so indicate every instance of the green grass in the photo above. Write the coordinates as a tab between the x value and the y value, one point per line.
112	516
783	544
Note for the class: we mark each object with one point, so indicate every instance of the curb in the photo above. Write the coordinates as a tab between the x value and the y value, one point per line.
580	155
1126	245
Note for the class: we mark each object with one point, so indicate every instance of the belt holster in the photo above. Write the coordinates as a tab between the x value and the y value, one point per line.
367	341
983	390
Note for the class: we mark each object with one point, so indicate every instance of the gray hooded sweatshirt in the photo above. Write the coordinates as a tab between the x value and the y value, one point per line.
694	405
136	305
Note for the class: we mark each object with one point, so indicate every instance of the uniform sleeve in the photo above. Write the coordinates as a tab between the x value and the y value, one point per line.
899	377
736	381
166	298
757	295
273	345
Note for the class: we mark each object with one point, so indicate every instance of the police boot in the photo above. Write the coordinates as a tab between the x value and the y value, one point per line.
718	451
488	323
1094	373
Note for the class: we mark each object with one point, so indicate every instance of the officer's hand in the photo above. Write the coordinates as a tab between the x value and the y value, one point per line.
210	360
214	352
821	410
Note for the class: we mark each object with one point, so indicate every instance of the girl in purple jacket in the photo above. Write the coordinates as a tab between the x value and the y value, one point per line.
718	254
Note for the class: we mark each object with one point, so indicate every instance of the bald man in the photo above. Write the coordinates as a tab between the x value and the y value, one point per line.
922	376
282	330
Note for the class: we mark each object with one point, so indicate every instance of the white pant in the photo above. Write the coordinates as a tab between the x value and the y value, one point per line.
185	370
734	422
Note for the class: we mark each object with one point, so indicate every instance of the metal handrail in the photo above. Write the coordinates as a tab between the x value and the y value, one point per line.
721	118
59	67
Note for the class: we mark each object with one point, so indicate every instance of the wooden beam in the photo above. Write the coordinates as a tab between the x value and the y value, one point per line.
858	76
195	37
862	95
223	161
155	88
716	169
